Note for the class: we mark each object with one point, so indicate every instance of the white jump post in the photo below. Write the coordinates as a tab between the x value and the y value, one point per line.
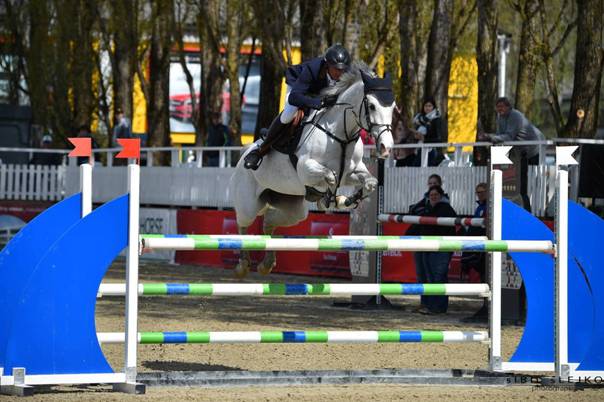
498	157
86	188
132	260
563	158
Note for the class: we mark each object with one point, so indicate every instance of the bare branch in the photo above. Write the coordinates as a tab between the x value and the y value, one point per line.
567	31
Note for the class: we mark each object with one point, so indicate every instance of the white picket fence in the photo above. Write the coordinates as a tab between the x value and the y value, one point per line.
209	187
404	187
32	182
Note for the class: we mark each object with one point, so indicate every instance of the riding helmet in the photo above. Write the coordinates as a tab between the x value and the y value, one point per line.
337	56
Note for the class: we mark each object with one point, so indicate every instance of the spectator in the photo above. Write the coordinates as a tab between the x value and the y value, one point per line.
433	267
477	261
122	128
46	158
84	132
402	135
218	136
428	129
512	125
418	207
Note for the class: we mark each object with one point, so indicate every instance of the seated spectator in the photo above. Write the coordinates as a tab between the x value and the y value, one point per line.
46	158
428	129
433	267
402	135
477	261
218	136
418	207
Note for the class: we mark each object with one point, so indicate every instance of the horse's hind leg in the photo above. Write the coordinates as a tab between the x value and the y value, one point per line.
285	211
268	262
243	266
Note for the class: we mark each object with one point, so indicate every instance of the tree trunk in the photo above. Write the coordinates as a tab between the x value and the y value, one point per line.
125	42
234	15
438	69
310	28
83	66
272	65
351	29
409	95
486	58
528	59
38	57
212	75
158	114
589	61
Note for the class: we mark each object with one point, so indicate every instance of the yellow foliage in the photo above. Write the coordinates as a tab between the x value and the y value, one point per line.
463	100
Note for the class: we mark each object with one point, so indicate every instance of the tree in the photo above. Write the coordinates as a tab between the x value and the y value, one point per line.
310	28
589	62
234	23
410	87
125	40
528	58
486	58
272	31
439	55
212	72
183	9
157	88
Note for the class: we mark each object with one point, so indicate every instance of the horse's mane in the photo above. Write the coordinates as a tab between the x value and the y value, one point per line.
347	79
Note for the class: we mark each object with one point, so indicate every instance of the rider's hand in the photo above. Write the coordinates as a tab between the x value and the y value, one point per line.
328	101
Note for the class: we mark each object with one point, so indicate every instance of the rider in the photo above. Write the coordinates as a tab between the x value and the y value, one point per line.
304	82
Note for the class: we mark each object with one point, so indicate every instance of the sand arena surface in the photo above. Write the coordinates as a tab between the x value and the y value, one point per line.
191	313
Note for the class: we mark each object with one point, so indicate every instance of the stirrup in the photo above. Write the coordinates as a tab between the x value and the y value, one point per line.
255	163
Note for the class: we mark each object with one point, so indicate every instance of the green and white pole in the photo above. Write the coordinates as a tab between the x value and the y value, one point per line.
385	243
299	337
299	289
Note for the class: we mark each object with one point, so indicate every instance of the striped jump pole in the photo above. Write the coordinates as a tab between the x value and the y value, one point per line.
300	337
430	220
382	243
299	289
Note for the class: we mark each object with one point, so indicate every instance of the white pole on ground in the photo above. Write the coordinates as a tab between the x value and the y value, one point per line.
132	273
86	188
498	156
563	158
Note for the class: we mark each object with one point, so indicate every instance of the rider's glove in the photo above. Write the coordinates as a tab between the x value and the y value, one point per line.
328	101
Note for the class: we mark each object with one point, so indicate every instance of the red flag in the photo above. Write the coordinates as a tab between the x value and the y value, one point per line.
131	148
83	146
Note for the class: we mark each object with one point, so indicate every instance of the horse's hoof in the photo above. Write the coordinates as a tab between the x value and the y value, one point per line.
265	269
341	202
242	269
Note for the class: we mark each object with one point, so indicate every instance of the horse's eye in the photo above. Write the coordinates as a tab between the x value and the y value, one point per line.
372	107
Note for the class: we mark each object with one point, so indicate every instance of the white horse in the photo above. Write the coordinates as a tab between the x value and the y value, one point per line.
329	155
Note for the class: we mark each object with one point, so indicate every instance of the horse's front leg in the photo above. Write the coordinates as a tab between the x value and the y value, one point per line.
364	184
313	174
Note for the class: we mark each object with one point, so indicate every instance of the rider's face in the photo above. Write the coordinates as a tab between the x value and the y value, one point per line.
334	73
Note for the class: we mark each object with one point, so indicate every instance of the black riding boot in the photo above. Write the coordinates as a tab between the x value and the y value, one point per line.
254	158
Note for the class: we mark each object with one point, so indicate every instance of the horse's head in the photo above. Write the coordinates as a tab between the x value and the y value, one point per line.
376	113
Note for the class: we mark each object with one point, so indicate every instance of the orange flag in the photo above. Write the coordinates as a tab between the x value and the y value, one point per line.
131	148
82	146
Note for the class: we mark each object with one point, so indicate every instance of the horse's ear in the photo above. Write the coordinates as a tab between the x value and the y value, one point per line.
366	77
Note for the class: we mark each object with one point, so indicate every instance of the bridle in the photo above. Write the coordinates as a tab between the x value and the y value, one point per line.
350	138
